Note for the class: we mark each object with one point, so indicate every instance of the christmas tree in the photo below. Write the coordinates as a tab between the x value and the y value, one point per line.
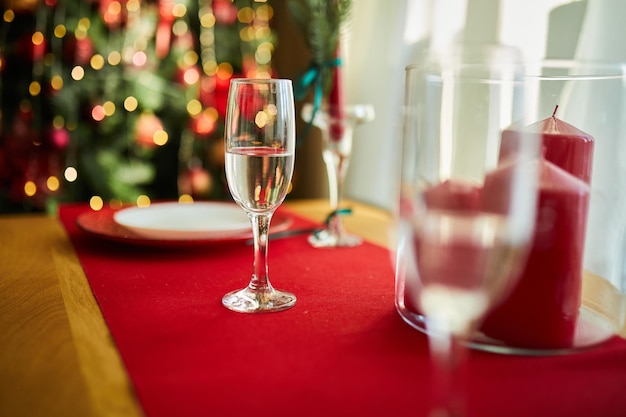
121	101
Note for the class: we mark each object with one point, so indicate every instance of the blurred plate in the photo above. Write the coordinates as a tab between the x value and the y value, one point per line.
176	221
103	224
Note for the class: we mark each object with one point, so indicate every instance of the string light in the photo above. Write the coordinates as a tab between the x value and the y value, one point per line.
37	38
97	62
191	75
8	15
114	58
133	6
30	188
60	31
160	137
109	108
194	107
139	59
97	113
56	82
185	199
53	183
78	73
34	88
131	104
70	174
179	10
96	203
143	201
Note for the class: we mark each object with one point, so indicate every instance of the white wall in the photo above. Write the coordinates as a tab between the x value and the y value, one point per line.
383	37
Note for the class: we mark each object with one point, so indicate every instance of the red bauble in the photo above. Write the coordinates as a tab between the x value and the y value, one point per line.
250	101
203	124
184	41
114	15
214	93
147	125
207	91
30	51
225	12
78	51
195	181
59	138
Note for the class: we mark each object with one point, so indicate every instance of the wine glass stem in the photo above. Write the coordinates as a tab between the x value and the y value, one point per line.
330	160
449	361
260	227
336	166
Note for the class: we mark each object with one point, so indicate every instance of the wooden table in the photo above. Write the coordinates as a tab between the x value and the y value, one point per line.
57	357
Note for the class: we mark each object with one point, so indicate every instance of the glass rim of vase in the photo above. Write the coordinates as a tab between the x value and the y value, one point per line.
574	69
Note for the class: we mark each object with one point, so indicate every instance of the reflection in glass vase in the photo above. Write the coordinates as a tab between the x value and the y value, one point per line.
337	127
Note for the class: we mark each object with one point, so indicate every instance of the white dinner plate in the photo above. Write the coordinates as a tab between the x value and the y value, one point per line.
185	221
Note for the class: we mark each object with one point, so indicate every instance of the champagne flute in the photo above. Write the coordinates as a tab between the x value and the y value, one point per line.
466	217
337	126
260	151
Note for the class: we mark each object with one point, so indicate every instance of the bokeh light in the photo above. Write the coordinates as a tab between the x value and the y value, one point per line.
30	188
96	203
143	201
53	183
70	174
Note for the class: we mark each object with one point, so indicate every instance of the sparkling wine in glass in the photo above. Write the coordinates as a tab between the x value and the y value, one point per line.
466	217
260	152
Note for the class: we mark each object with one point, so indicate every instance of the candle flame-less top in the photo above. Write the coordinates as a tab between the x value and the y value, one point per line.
555	126
563	144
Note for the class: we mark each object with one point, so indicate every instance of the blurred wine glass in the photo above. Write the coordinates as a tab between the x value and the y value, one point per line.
337	126
465	218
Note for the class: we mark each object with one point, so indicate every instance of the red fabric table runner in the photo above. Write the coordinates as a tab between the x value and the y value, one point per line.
342	350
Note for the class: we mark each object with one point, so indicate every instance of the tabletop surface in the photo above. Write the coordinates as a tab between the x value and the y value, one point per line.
57	357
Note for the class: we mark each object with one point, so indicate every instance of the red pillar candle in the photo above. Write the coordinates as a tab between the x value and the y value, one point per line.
336	103
453	194
563	145
542	310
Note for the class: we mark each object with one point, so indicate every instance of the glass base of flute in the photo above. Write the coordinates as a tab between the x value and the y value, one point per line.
337	128
250	300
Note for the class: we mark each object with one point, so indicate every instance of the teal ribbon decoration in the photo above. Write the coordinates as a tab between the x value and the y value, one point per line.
313	78
331	216
338	212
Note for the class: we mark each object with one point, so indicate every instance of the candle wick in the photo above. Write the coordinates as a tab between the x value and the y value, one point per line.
555	109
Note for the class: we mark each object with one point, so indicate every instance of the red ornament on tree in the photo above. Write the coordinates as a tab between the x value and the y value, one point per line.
32	47
250	101
59	138
164	28
147	125
203	124
225	12
195	181
78	51
113	12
